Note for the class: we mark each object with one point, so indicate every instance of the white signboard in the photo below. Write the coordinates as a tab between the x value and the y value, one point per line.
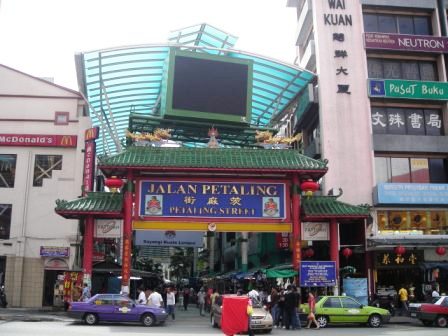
108	228
169	238
315	231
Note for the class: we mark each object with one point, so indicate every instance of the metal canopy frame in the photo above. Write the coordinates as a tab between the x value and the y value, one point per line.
118	82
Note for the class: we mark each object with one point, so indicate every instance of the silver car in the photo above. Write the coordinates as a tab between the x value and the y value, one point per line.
261	319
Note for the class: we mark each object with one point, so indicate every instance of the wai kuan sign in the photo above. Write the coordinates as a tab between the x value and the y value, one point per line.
407	89
217	199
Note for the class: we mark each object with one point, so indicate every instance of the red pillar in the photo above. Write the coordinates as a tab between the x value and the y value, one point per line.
88	249
127	237
296	256
334	250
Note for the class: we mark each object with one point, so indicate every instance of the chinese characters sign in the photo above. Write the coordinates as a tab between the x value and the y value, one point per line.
392	259
212	199
406	42
89	158
406	89
317	273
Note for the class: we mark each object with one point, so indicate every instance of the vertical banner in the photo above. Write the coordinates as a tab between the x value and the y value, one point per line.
282	240
91	135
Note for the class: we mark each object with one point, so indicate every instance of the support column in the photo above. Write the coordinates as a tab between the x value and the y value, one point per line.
334	250
244	252
368	259
296	239
87	261
211	256
127	237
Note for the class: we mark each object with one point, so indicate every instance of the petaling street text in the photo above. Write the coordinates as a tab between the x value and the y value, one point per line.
178	210
213	189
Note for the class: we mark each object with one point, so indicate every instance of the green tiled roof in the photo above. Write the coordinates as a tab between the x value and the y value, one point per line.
330	207
213	158
98	203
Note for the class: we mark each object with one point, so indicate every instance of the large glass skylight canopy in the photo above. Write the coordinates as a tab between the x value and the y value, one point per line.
118	82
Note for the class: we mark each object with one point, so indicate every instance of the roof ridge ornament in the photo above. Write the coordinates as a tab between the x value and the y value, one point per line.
213	134
268	141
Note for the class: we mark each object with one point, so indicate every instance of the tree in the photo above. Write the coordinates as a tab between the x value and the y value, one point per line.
148	265
181	262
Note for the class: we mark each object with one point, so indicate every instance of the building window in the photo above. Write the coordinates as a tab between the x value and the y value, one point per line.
410	121
43	167
417	221
402	69
411	170
7	170
61	118
5	220
397	24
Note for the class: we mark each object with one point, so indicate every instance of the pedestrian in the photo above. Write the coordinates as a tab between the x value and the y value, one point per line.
214	296
403	294
85	296
250	311
273	298
170	302
290	309
154	299
201	301
186	295
312	313
435	293
281	307
141	295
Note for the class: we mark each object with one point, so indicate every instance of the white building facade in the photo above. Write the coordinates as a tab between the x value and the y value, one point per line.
378	113
42	129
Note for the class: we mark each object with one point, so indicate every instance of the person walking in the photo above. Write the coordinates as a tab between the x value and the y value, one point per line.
403	294
250	311
85	296
273	298
201	301
170	303
186	295
154	299
311	315
141	296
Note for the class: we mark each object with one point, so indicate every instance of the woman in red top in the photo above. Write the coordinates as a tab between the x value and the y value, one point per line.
311	315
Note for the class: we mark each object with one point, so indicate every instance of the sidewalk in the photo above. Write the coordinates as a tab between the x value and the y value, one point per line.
33	315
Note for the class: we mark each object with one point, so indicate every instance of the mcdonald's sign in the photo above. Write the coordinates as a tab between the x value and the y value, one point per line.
91	133
38	140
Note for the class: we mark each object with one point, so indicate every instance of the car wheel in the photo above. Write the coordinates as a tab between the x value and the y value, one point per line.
375	321
148	320
427	323
91	319
442	321
322	320
213	321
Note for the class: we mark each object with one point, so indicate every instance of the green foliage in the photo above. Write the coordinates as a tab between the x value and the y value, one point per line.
148	265
181	262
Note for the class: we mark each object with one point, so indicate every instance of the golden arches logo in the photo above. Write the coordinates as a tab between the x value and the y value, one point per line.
67	140
91	134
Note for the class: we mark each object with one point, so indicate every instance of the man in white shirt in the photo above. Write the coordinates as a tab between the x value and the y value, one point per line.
141	296
154	299
170	302
435	293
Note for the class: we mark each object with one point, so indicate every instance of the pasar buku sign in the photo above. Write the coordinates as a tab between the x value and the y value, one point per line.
38	140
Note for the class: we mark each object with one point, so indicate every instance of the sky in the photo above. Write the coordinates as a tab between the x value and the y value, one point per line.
41	37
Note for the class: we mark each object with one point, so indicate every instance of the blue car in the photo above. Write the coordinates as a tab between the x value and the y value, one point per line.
116	308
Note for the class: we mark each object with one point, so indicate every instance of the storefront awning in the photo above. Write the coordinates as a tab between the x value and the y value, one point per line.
328	207
429	265
390	241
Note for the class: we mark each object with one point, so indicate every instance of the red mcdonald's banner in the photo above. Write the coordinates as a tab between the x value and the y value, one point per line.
38	140
91	133
89	158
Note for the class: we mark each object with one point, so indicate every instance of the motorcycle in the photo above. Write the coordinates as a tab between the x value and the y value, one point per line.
3	301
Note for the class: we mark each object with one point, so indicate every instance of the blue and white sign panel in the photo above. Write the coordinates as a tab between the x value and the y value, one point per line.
169	238
411	193
245	200
317	273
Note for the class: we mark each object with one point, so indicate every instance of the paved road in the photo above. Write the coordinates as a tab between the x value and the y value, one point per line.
187	323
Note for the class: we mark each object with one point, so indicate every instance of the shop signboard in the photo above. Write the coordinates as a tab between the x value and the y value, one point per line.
54	251
169	238
38	140
108	228
315	231
282	240
407	89
217	199
317	273
391	259
420	43
411	193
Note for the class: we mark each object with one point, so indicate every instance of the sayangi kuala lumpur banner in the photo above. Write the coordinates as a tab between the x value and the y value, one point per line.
217	199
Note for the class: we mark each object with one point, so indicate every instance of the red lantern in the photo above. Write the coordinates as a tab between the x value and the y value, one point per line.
400	250
347	252
309	187
113	183
309	252
441	251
